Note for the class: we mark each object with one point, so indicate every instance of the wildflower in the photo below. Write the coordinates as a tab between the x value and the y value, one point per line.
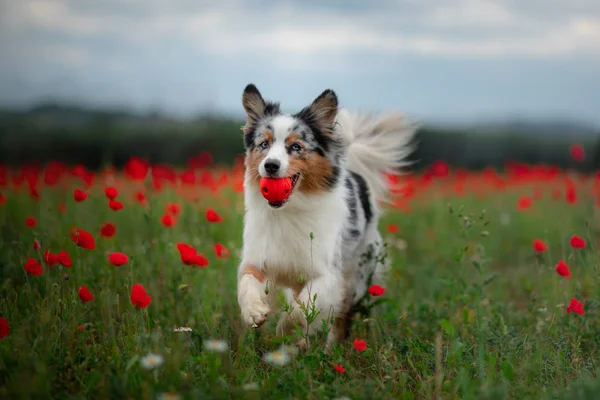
575	306
140	197
221	251
30	222
278	358
64	258
50	258
251	386
376	290
4	328
115	205
168	220
182	329
524	203
79	195
212	216
136	169
33	267
139	298
216	346
577	152
111	192
539	246
392	228
85	295
173	209
62	207
36	245
83	239
117	259
360	344
108	230
563	269
339	369
189	256
577	242
151	361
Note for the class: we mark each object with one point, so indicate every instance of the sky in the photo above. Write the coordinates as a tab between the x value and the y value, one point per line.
456	61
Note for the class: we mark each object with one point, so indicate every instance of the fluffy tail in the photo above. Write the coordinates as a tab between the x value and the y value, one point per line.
378	144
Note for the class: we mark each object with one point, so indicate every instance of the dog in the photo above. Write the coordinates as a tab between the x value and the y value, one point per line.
321	245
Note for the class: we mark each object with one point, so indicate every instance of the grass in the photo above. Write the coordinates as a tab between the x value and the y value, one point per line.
470	309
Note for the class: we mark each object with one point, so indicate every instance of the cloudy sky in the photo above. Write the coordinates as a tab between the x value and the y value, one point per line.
454	60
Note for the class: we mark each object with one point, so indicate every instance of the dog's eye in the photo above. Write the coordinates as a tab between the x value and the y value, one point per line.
296	147
264	144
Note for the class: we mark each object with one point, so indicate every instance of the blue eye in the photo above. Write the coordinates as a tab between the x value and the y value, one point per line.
264	144
296	147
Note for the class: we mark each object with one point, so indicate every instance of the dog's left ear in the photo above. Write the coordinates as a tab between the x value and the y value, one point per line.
253	103
324	110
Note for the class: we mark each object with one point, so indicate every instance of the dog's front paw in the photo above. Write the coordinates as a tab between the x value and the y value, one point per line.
254	314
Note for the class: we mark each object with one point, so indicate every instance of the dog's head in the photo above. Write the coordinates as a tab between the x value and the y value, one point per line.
303	146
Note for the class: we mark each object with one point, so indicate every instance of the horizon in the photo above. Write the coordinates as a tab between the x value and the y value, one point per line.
469	62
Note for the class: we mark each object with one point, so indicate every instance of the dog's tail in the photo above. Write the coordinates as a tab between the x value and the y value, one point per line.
378	144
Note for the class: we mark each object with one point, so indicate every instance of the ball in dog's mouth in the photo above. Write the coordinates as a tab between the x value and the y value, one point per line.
278	190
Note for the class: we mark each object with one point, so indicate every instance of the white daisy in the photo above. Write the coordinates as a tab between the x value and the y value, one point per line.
277	358
151	361
216	346
251	386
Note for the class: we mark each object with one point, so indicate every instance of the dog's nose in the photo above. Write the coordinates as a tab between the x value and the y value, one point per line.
272	166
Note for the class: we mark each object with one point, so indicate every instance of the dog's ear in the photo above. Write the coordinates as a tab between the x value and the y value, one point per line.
324	109
253	103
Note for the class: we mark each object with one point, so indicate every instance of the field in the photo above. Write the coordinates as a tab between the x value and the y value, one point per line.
494	290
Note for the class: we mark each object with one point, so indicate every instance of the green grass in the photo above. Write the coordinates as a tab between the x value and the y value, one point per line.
470	312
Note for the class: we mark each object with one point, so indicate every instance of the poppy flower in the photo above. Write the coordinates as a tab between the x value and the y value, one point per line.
189	256
79	195
392	228
577	152
140	197
2	199
64	258
30	222
339	369
83	239
111	192
360	344
524	203
4	328
212	216
62	207
563	269
117	259
85	295
168	220
221	251
376	290
539	246
50	258
33	267
575	306
107	230
139	297
36	245
115	205
577	242
173	209
136	169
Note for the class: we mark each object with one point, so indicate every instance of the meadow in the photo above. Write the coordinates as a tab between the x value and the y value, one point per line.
121	284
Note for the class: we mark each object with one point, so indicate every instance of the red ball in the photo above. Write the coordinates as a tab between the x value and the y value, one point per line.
275	189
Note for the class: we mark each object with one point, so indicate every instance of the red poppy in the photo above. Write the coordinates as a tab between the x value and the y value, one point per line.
577	152
376	290
117	259
563	269
339	369
4	328
36	245
62	207
539	246
524	203
575	306
50	258
392	228
221	251
33	267
79	195
64	258
360	344
30	222
107	230
136	169
111	192
83	239
139	297
168	220
212	216
140	197
2	199
189	256
85	295
577	242
173	209
115	205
